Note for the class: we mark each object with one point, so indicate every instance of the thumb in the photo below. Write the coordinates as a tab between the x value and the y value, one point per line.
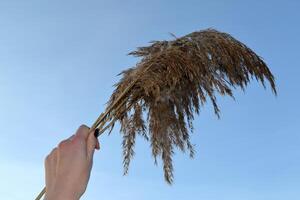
92	144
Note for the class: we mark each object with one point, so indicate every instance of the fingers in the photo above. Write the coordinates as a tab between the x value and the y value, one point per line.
71	137
92	144
50	168
78	149
82	136
65	142
98	144
83	131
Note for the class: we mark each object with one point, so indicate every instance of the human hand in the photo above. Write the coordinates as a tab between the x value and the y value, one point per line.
68	166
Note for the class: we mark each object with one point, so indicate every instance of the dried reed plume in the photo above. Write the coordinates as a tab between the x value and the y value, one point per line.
171	82
158	97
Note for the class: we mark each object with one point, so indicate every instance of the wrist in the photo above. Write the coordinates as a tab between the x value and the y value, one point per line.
61	195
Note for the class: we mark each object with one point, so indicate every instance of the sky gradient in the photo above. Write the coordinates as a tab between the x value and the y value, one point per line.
59	61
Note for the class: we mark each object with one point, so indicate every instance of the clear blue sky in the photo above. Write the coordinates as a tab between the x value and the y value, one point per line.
59	60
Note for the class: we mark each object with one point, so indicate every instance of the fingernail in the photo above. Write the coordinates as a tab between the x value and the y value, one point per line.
97	147
96	133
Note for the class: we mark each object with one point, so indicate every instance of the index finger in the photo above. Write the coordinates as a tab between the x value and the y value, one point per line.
83	131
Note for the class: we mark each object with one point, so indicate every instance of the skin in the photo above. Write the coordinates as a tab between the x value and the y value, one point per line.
68	166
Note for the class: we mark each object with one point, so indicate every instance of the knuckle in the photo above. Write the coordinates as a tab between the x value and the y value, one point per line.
53	152
78	139
83	127
47	159
62	144
50	156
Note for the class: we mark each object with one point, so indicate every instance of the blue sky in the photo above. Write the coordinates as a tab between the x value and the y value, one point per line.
59	60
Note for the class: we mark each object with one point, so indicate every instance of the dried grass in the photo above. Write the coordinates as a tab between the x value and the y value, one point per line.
157	99
171	83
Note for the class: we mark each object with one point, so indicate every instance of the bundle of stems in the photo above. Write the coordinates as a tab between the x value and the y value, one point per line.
157	99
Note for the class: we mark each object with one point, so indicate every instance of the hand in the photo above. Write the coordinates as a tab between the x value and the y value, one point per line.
68	166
